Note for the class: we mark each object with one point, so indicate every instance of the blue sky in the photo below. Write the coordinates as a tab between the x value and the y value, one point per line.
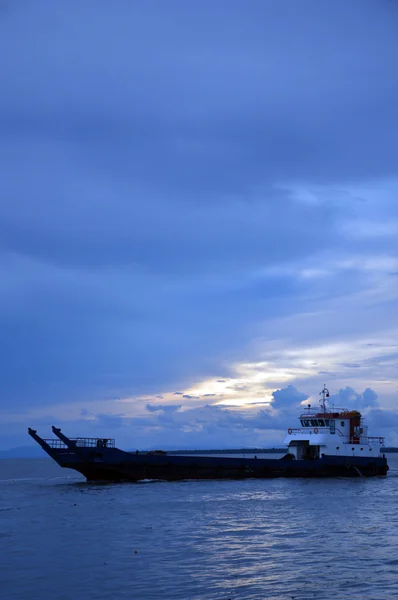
199	217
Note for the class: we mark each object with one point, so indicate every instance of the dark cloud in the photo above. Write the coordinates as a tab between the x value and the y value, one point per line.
163	407
180	73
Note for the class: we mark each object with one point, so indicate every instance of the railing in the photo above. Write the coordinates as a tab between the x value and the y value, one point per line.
331	413
58	444
366	440
82	443
376	438
358	440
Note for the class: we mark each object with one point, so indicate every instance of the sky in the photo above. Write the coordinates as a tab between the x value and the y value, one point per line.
199	217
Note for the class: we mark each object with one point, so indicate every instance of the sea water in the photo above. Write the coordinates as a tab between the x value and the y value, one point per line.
300	539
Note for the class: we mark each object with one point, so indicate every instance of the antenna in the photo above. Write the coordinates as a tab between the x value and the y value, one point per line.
325	394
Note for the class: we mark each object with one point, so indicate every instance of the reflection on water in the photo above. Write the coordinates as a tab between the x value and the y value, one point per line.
63	538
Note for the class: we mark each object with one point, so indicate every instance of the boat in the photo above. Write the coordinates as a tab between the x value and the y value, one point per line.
328	443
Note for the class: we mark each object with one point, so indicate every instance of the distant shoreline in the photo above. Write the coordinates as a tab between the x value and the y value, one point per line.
232	451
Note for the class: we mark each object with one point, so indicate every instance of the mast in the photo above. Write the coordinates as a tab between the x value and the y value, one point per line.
325	394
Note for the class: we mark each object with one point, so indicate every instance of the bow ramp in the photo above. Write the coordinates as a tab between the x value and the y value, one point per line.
62	446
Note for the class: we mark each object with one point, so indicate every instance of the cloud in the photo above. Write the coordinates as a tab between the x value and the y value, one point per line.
183	194
348	398
386	421
202	425
288	398
163	407
209	426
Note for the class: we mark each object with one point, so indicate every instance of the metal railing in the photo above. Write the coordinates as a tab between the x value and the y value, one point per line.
55	443
333	412
359	440
82	443
366	440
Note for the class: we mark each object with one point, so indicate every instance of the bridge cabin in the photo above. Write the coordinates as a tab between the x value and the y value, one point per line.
336	432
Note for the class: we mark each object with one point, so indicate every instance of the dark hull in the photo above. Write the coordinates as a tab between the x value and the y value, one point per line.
177	468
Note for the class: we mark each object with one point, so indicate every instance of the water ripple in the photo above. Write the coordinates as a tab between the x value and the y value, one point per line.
276	539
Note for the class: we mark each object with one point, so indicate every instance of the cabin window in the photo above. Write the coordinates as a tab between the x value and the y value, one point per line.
321	423
306	423
313	423
332	426
342	423
302	422
326	422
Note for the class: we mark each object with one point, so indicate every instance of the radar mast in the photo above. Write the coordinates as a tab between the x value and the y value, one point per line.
325	394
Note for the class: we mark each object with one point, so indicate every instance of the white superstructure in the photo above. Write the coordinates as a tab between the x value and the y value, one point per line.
336	432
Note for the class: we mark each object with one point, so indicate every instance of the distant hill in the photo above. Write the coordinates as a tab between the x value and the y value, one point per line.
23	452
